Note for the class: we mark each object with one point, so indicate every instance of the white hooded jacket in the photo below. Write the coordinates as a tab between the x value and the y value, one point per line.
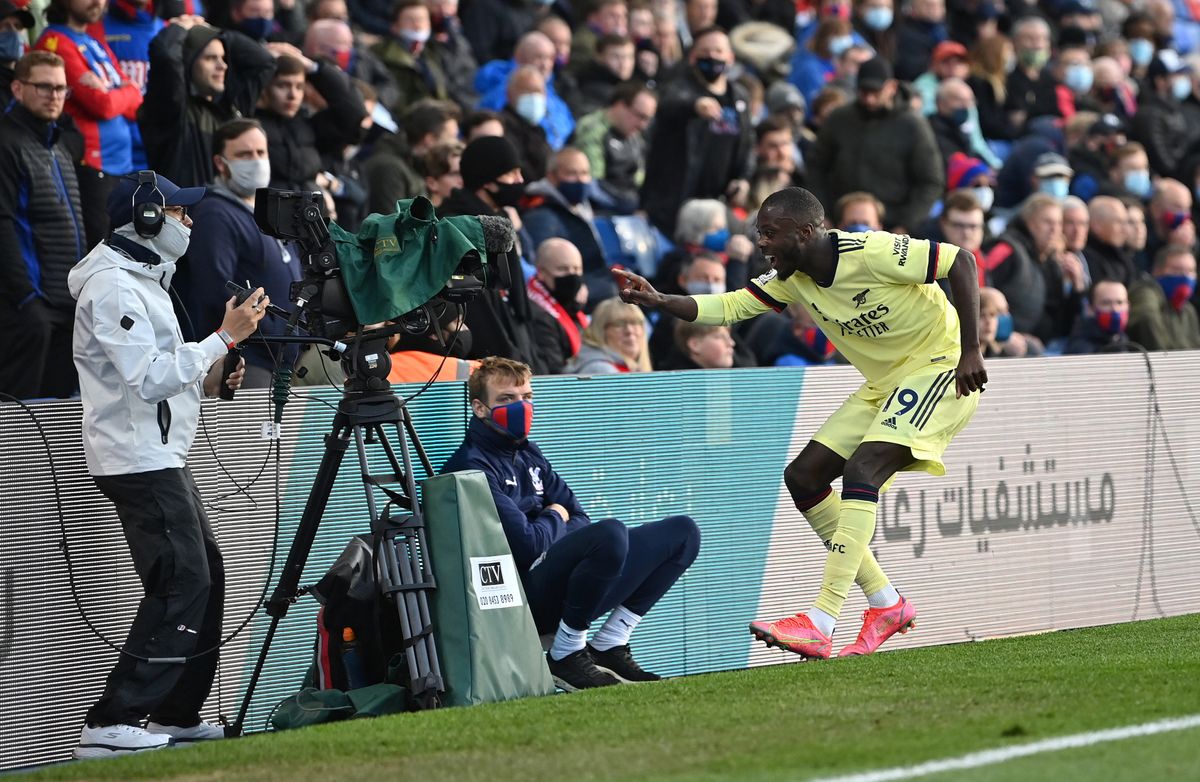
140	382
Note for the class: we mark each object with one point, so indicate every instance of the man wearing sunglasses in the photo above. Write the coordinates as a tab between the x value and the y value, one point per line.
41	234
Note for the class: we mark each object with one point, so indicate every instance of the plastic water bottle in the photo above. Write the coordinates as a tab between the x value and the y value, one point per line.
356	675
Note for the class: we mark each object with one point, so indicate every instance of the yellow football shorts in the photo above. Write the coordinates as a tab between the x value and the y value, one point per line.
922	413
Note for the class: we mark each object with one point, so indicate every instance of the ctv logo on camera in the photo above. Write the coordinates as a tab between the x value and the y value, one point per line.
491	574
495	581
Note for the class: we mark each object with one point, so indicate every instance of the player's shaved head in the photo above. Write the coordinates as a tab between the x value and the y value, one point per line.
796	203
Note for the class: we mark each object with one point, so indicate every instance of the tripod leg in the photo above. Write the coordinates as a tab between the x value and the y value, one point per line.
289	578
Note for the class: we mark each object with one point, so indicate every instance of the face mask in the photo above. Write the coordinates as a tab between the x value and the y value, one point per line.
1141	52
959	117
878	18
414	39
839	44
711	68
514	419
172	241
1138	183
1010	63
1112	322
531	107
1178	289
1058	187
816	341
573	192
566	288
508	193
12	45
258	28
1172	220
346	59
716	240
246	176
1004	327
858	228
1034	59
1181	87
700	288
1078	78
985	196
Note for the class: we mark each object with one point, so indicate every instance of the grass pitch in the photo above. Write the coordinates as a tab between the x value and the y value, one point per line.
787	722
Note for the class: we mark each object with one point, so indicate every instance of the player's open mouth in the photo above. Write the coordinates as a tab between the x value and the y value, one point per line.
770	260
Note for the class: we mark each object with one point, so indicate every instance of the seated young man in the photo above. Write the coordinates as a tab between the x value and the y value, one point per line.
574	571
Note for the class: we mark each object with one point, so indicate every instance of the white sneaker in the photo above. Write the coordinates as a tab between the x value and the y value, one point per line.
205	731
112	740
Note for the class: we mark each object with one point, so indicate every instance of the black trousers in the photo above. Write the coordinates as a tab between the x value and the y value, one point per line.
35	357
595	569
183	575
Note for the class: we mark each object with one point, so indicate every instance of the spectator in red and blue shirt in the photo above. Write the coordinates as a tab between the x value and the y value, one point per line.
103	103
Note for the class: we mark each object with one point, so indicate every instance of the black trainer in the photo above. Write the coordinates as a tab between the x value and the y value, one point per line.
620	663
576	671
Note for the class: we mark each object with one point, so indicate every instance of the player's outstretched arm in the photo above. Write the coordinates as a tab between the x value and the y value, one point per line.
638	290
964	284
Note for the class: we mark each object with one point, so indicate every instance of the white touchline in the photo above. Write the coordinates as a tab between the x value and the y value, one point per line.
991	756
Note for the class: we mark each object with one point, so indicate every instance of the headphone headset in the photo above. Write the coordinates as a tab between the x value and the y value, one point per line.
148	217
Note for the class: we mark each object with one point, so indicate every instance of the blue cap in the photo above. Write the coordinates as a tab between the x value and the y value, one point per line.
129	192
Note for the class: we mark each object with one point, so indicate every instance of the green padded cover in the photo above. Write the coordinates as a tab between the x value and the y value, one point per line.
487	643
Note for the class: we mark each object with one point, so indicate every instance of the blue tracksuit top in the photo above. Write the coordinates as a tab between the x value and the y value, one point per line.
523	484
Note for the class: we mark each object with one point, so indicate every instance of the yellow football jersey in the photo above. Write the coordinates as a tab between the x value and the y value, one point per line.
882	310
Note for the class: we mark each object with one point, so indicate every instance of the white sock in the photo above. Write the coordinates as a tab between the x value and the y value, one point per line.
567	641
884	598
822	621
616	630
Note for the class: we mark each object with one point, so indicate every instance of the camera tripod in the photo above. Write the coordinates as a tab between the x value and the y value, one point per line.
402	566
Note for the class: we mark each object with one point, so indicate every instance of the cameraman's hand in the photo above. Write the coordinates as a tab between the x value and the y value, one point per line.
560	510
242	321
212	381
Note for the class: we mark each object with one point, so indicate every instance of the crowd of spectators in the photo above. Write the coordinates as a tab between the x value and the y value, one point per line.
1058	141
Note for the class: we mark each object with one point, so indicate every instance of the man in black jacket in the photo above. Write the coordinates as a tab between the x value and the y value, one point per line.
501	321
702	143
199	78
1160	123
1107	258
41	235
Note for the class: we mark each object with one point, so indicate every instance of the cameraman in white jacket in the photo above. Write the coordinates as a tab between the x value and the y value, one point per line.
140	385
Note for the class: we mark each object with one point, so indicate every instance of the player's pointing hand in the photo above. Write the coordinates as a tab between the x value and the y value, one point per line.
636	289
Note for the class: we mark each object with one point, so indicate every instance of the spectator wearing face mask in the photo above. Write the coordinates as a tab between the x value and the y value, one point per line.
1160	124
1031	87
1169	218
228	245
537	51
813	66
973	175
875	20
701	273
1102	329
501	320
858	212
1052	175
996	333
333	40
15	22
522	116
922	29
416	72
1073	71
561	205
703	227
1161	314
558	289
1129	174
702	139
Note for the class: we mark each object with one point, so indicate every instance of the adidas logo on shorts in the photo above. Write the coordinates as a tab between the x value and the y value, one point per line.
890	423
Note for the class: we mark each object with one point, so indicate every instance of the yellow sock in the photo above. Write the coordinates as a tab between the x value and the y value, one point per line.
823	518
856	525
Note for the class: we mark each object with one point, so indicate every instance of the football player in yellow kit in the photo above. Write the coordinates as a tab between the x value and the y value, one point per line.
873	294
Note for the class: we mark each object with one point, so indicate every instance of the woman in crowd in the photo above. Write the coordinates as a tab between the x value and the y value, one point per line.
614	342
